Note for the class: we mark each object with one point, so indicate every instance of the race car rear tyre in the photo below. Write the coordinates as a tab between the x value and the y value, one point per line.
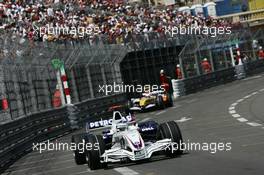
94	154
160	102
79	155
170	102
171	130
128	106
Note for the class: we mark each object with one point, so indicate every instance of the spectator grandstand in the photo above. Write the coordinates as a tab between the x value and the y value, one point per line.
106	21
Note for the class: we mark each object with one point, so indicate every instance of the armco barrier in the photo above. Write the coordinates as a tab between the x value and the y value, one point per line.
94	109
178	88
254	67
205	81
198	83
240	71
18	136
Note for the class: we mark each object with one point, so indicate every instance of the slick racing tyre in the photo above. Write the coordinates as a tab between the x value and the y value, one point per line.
128	106
79	155
160	102
170	130
94	154
170	100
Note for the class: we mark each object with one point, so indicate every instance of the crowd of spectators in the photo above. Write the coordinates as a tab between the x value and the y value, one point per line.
112	22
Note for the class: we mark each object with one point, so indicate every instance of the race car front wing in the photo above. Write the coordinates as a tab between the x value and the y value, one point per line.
138	108
118	154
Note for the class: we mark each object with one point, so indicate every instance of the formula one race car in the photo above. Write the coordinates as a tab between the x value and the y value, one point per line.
126	141
158	99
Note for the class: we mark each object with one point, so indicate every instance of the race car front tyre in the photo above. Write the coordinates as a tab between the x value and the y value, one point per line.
94	154
79	155
170	130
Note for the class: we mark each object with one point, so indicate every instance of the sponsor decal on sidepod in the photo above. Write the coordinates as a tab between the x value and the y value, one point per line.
106	122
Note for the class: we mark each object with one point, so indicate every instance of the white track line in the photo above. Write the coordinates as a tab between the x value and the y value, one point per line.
261	90
126	171
254	93
231	108
161	112
242	119
240	100
234	104
248	96
254	124
234	114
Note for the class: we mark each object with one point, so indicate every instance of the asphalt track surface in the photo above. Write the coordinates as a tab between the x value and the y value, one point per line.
207	120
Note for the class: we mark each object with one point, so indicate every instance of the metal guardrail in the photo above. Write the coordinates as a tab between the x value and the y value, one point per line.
198	83
205	81
96	109
254	67
17	137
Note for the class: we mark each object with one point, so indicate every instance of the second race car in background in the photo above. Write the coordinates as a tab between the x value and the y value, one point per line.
156	99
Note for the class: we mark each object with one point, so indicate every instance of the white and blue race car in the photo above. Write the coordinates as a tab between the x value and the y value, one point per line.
125	140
